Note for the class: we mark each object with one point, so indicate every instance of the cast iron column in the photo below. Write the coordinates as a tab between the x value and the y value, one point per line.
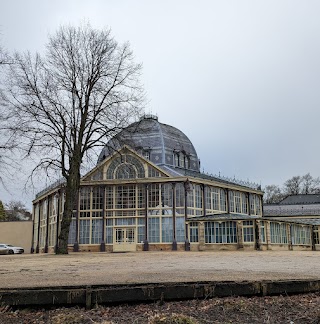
257	235
33	220
290	241
76	244
103	243
47	227
227	201
174	243
204	205
38	234
145	242
58	221
187	242
313	239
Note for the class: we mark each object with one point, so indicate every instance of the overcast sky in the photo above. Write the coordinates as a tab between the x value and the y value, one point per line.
240	78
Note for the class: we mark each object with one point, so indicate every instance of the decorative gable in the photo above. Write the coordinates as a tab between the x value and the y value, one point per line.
97	175
125	164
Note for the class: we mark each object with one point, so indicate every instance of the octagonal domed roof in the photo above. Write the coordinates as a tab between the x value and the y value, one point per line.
162	144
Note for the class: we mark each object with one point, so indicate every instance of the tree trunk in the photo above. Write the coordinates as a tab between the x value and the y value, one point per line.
72	189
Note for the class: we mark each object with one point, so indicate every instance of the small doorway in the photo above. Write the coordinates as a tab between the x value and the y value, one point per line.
124	239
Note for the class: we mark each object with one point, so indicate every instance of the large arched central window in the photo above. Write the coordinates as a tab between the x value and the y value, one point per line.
125	167
125	171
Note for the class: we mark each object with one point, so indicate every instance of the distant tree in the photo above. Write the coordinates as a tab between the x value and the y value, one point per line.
272	194
293	186
4	57
17	211
61	106
2	212
310	185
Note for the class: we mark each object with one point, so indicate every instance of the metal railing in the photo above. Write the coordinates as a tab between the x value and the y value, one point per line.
57	183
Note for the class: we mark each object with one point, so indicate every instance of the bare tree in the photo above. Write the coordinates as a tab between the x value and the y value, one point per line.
296	185
6	146
309	184
61	106
293	186
302	185
272	194
2	56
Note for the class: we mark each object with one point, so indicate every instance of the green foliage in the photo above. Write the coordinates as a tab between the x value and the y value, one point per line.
2	212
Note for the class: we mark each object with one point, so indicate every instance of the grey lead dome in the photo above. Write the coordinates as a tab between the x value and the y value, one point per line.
162	144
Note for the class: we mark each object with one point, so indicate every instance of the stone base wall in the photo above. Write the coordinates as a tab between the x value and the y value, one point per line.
89	248
302	248
165	247
219	247
248	246
109	247
264	247
278	247
286	247
194	247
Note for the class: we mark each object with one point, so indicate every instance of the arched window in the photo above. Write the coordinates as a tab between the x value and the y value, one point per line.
177	159
126	167
125	171
187	162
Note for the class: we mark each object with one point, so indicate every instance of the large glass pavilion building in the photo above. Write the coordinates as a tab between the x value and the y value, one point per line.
147	193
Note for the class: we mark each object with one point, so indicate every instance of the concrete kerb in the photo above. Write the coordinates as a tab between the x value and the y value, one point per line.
94	295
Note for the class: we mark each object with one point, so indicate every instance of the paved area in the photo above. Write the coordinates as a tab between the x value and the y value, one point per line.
43	270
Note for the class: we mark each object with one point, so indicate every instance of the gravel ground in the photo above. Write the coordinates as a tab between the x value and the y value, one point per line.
111	268
277	309
154	267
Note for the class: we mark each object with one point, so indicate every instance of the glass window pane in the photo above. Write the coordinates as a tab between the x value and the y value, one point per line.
153	230
96	233
167	229
180	229
84	231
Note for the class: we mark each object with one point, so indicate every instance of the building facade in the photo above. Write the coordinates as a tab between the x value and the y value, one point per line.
298	210
147	193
